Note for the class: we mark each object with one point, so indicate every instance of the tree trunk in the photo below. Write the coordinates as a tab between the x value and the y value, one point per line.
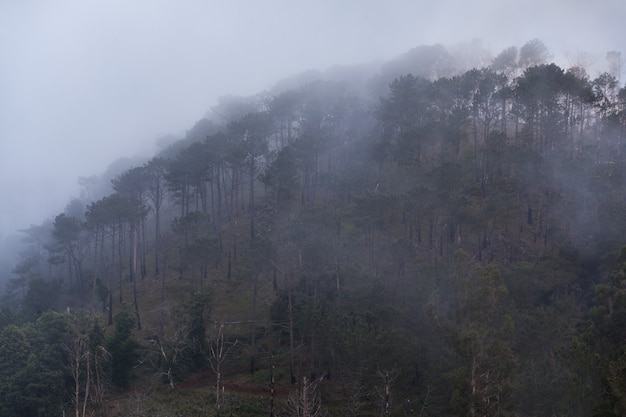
87	385
291	341
253	334
110	321
133	271
119	259
95	266
272	366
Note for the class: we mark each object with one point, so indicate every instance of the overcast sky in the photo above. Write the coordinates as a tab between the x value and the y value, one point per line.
83	82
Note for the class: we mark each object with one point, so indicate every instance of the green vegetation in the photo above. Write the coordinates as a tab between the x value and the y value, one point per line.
446	249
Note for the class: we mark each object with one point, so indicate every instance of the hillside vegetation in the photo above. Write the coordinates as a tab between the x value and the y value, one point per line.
426	241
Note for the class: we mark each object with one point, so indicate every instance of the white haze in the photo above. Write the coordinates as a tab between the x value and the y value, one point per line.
84	82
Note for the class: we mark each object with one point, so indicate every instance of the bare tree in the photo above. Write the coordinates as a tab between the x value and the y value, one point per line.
85	368
306	402
354	392
219	350
387	378
79	353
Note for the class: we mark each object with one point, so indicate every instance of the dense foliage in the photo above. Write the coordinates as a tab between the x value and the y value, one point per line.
447	248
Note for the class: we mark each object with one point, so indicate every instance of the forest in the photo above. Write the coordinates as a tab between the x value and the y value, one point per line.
422	240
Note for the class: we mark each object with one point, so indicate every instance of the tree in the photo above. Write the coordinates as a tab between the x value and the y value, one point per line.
485	85
260	250
111	213
283	109
198	248
86	357
220	349
40	297
405	118
307	402
249	134
14	352
187	175
69	234
482	331
606	336
156	169
281	175
34	364
78	353
123	349
605	87
533	53
580	99
132	186
506	62
541	91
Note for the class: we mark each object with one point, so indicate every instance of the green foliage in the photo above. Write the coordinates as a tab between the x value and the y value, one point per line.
605	336
33	359
282	175
39	298
123	349
480	334
199	310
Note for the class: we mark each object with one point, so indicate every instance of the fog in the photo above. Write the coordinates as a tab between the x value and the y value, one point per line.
83	83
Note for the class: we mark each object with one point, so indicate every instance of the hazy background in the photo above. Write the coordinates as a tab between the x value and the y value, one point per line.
84	82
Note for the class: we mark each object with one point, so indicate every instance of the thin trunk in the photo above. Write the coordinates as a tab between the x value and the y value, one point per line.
133	271
87	385
76	375
212	190
291	341
119	260
305	403
503	117
143	249
253	335
157	236
110	321
98	383
272	367
162	309
218	217
252	208
95	268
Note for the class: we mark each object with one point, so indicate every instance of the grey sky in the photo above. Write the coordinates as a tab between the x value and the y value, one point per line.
83	82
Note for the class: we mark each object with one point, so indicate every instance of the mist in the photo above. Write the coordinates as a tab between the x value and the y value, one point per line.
83	84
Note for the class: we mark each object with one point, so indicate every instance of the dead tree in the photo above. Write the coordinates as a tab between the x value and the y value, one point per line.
79	353
86	368
219	351
384	391
272	384
307	402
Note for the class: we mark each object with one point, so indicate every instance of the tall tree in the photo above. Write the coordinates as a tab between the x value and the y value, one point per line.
69	234
156	169
132	186
533	53
483	340
506	62
187	175
250	135
541	91
123	349
405	119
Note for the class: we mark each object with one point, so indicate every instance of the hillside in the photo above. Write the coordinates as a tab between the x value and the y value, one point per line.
448	245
